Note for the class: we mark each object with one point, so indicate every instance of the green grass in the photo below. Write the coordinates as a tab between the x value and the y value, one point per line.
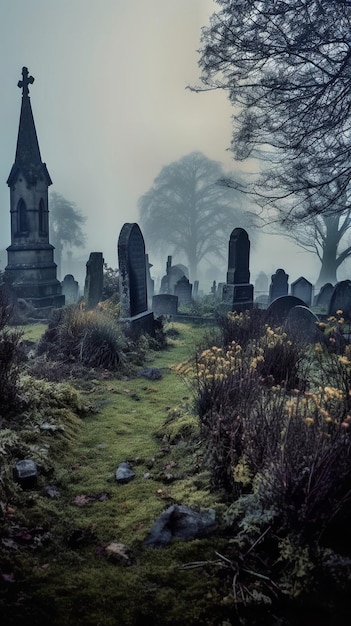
33	332
134	420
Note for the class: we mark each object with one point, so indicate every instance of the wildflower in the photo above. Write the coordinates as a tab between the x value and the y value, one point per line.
339	312
309	421
344	360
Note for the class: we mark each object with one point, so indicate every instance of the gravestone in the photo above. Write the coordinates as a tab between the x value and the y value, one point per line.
183	289
278	310
94	279
261	284
302	323
279	285
132	281
165	304
322	299
302	288
150	283
173	274
237	292
341	299
70	289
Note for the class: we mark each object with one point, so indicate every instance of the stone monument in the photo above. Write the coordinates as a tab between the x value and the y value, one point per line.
237	292
133	283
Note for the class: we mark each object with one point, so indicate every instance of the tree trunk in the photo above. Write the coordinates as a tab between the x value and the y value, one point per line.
329	265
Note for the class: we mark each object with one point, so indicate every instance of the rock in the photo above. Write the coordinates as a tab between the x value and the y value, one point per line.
51	491
119	552
182	522
151	373
26	473
124	473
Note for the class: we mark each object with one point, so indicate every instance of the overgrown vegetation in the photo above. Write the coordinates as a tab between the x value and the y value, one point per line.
275	417
256	426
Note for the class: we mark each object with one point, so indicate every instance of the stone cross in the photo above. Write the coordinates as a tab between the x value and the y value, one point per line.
26	80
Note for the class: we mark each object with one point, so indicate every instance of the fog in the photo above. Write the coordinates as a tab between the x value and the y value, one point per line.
111	108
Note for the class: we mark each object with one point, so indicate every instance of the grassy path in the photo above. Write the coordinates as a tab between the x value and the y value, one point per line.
95	569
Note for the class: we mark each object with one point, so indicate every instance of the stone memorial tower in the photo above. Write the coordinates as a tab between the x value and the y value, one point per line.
31	270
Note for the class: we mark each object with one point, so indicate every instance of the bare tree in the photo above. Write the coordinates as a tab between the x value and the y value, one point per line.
286	66
188	212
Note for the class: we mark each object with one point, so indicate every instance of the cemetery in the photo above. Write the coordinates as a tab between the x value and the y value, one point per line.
167	457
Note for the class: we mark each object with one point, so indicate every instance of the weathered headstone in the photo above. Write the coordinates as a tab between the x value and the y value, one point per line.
165	304
132	280
322	299
302	323
279	285
237	293
303	289
150	283
261	284
278	310
70	289
341	299
94	279
183	289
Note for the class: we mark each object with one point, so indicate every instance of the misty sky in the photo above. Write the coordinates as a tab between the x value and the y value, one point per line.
111	108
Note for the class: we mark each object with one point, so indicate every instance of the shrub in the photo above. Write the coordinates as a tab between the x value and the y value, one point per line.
92	338
12	356
289	446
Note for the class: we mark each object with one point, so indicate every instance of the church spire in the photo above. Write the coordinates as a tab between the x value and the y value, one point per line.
27	160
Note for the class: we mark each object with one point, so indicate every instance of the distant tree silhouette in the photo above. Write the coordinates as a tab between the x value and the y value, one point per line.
65	226
189	212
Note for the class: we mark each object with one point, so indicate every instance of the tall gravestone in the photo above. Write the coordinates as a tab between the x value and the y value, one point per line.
132	280
237	292
322	299
183	289
303	289
94	279
279	285
70	289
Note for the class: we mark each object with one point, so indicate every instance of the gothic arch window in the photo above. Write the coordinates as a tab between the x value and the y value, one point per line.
22	216
42	218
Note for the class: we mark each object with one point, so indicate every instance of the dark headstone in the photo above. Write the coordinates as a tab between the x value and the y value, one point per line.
279	309
322	299
341	299
70	289
238	258
165	304
26	473
132	271
94	279
237	292
302	288
279	285
183	290
302	323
